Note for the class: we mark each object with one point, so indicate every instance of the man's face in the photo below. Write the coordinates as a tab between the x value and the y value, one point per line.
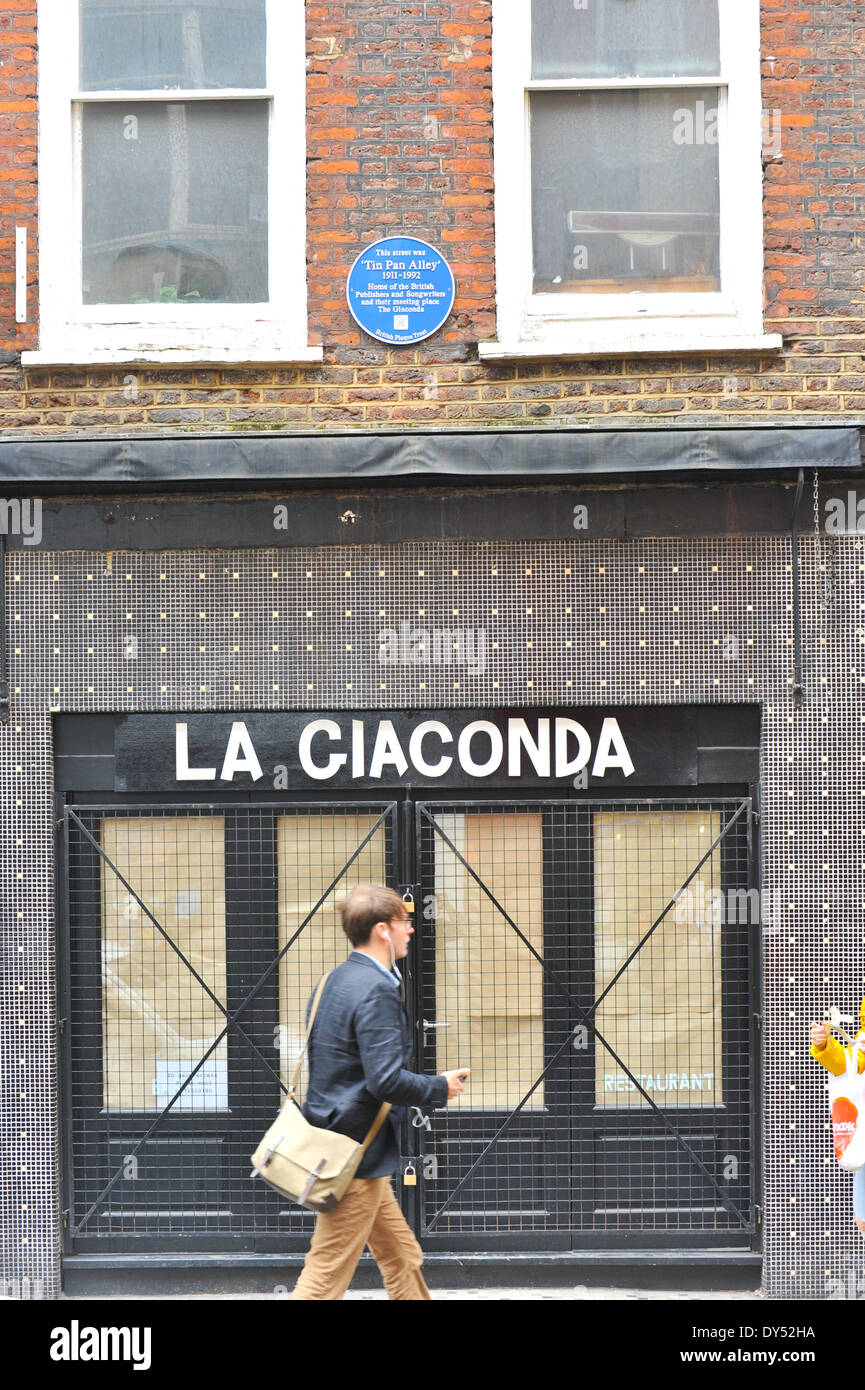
401	932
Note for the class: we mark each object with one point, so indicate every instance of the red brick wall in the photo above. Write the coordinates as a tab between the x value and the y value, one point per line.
17	163
400	135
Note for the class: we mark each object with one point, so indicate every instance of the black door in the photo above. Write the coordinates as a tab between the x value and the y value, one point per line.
591	961
196	934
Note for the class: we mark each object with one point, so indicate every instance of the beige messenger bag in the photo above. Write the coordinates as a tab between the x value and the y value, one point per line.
311	1166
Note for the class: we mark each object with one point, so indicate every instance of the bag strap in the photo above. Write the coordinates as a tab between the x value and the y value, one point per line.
385	1105
376	1125
296	1077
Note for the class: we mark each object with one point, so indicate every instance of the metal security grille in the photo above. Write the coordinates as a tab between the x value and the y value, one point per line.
196	935
589	960
592	963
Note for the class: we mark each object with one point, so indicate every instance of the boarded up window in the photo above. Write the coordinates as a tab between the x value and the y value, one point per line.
313	851
157	1021
663	1017
489	987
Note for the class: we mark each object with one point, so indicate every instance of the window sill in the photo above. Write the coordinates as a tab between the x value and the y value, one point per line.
169	357
630	344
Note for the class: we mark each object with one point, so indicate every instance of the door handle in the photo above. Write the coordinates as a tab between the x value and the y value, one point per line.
427	1024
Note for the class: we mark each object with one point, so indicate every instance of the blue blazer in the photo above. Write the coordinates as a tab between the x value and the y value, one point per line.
357	1058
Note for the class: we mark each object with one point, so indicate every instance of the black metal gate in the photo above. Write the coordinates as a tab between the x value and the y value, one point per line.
196	934
592	961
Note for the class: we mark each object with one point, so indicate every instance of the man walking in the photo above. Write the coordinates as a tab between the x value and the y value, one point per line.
357	1054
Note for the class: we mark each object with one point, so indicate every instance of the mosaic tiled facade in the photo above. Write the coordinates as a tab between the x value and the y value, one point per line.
582	623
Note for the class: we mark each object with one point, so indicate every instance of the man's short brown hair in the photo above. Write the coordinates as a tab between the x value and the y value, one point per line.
365	905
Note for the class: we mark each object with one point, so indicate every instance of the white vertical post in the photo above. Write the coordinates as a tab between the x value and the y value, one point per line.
20	274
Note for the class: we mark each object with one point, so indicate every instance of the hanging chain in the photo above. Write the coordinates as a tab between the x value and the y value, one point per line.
816	507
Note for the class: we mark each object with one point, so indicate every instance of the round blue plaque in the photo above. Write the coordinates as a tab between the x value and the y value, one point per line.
400	290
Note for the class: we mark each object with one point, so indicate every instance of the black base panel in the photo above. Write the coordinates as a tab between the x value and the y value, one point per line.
698	1271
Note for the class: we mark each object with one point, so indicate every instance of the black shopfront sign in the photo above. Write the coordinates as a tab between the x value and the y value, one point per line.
223	834
605	748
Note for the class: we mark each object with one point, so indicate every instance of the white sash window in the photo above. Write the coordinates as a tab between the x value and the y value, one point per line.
172	181
628	138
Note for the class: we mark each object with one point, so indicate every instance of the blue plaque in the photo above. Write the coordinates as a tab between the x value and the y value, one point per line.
400	290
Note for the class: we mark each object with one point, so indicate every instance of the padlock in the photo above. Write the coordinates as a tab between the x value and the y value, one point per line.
409	1176
408	899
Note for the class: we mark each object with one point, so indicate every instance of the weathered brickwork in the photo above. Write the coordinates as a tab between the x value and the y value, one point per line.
18	189
400	135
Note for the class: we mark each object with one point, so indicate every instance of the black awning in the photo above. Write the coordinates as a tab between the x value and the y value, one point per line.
480	454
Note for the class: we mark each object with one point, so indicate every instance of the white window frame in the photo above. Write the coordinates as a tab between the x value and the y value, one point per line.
577	325
73	332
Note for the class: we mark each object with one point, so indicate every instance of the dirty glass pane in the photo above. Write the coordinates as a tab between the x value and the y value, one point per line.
313	851
625	191
135	45
663	1016
186	220
625	38
157	1021
489	987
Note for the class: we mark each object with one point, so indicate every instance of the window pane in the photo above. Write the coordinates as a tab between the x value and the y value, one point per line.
157	1021
663	1017
135	44
313	851
625	38
175	202
625	191
489	988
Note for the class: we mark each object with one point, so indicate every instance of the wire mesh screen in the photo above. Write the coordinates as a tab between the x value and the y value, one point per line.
196	938
591	962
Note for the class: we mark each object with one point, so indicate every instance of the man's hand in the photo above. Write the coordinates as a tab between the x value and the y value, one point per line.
819	1035
455	1080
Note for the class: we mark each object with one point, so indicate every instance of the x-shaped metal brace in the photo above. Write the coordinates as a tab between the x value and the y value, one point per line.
230	1019
586	1017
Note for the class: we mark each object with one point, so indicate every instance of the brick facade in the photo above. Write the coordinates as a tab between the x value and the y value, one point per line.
18	150
400	135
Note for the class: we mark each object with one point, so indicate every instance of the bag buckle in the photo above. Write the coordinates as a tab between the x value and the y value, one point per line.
268	1155
310	1183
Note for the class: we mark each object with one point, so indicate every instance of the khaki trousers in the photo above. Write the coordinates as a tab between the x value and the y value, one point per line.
368	1214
